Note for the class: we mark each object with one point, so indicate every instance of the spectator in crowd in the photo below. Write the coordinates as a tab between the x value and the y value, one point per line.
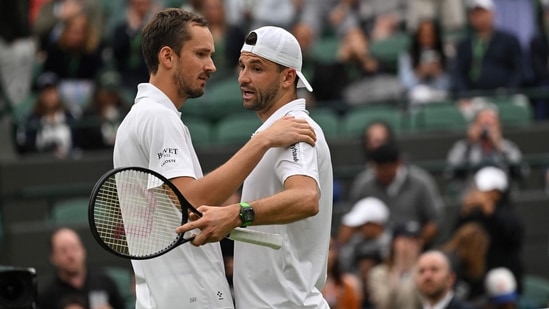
435	281
126	43
391	283
50	126
409	191
466	250
484	145
376	133
342	289
73	278
363	229
488	203
53	15
104	113
379	19
17	51
76	58
450	13
361	76
487	59
423	68
226	37
365	262
501	288
539	55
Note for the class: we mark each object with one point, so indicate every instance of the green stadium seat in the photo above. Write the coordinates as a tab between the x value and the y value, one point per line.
200	129
513	109
325	49
388	50
536	290
440	116
356	119
123	278
236	128
327	119
70	211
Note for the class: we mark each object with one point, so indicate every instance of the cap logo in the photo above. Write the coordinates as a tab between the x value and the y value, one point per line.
251	39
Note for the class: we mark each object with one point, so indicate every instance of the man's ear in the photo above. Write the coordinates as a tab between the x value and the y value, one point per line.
166	57
289	79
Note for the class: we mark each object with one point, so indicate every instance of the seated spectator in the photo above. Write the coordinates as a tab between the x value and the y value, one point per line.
376	134
126	44
104	113
423	68
450	13
487	59
360	78
52	15
489	204
501	288
76	58
365	262
50	126
409	192
391	283
225	35
484	145
73	278
466	250
435	280
363	229
342	289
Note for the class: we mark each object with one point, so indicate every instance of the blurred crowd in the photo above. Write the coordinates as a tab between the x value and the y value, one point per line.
69	71
69	68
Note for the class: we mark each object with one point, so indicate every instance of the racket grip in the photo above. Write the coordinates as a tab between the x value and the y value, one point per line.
256	237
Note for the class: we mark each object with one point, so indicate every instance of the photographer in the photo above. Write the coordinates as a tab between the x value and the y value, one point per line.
484	145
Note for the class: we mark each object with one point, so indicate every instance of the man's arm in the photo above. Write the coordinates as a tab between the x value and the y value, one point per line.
215	187
298	201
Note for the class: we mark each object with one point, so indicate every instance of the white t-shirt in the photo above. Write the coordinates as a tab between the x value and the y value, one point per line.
293	276
153	136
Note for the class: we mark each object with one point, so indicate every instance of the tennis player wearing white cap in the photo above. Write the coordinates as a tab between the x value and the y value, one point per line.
289	192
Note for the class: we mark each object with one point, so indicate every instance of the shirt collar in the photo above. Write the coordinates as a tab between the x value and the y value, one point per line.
148	90
443	303
286	109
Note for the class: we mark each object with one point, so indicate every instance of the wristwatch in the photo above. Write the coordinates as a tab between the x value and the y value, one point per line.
247	214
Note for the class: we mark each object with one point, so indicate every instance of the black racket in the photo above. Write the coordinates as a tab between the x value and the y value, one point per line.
134	211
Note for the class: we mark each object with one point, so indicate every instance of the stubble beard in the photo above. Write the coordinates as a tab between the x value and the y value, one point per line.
184	89
263	99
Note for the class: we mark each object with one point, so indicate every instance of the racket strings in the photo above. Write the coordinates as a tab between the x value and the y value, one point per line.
136	215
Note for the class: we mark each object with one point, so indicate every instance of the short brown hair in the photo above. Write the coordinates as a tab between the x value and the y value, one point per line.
169	27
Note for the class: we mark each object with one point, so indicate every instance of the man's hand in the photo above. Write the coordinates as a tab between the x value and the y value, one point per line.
287	131
215	224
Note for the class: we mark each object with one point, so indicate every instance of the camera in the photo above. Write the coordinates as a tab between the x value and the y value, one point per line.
485	134
18	288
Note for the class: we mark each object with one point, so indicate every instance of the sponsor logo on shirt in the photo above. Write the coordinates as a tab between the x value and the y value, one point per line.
220	295
293	148
166	154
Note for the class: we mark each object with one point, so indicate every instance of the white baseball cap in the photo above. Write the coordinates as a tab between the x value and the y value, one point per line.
369	209
484	4
501	285
279	46
491	178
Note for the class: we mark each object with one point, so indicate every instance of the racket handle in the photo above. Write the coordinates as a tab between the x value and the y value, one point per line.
256	237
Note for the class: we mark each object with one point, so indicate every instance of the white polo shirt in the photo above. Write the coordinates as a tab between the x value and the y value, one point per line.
293	276
153	136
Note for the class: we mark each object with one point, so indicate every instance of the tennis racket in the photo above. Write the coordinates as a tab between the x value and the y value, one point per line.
133	213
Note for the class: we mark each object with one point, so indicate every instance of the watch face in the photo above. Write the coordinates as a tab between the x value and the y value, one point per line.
247	214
